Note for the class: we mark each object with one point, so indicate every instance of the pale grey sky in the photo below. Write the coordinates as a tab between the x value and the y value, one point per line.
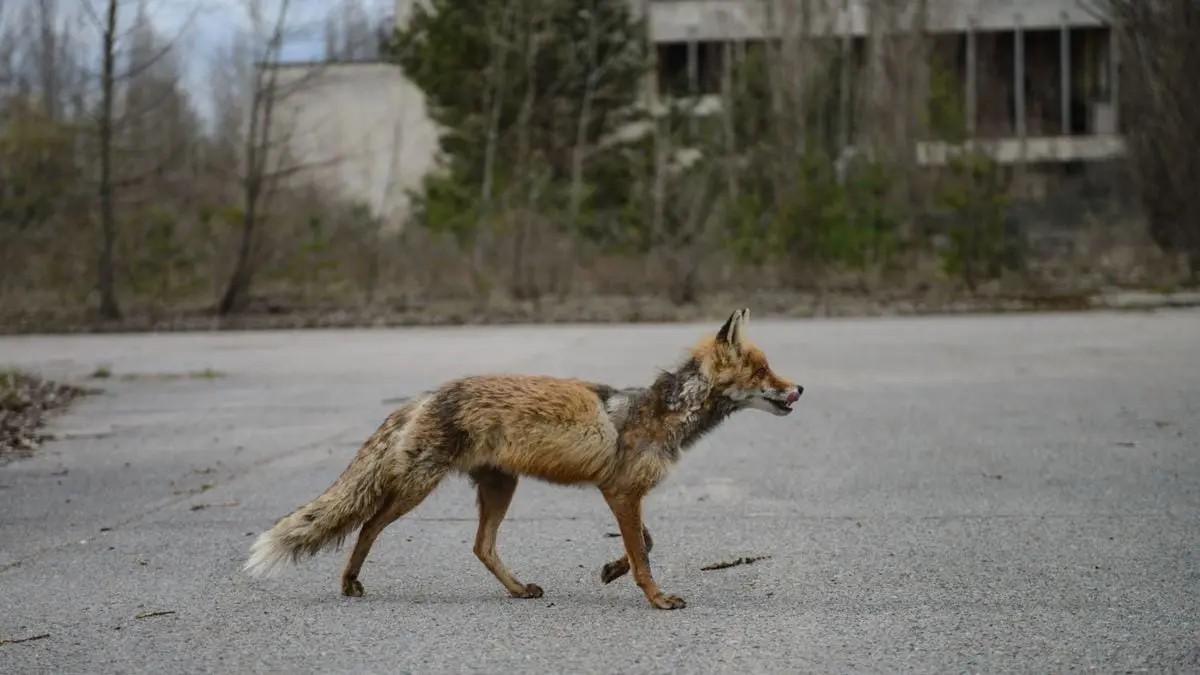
203	28
198	30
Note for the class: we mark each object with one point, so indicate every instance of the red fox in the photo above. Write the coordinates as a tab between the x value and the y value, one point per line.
495	428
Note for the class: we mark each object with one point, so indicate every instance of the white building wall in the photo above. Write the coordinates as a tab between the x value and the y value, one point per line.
361	128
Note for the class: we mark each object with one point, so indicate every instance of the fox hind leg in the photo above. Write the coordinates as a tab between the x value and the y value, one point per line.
411	494
620	567
351	586
495	490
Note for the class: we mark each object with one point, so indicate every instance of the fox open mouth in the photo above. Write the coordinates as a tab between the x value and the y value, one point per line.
782	406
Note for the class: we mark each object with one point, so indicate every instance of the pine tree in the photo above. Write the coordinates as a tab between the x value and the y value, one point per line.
526	91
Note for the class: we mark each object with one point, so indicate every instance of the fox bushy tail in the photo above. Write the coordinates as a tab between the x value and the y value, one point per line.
353	498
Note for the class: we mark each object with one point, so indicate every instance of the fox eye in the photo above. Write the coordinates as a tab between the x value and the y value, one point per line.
761	372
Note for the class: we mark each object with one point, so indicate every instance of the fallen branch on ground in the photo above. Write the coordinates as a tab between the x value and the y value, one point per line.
734	563
204	505
147	615
17	641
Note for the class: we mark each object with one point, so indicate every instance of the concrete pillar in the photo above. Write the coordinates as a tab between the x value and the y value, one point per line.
728	95
843	24
693	63
650	82
1065	79
972	78
693	75
1019	76
1114	78
728	51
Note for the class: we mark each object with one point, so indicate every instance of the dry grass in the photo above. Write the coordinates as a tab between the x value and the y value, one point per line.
422	281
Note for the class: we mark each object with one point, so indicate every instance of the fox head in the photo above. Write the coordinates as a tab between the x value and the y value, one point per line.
738	370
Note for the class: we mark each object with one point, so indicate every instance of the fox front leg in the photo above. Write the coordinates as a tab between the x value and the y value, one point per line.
620	567
628	512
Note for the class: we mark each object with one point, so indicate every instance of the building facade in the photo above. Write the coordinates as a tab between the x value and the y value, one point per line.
1039	77
365	124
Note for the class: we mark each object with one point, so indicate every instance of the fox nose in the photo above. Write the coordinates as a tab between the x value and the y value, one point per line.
792	397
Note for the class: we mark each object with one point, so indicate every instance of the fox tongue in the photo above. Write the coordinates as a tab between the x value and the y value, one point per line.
792	397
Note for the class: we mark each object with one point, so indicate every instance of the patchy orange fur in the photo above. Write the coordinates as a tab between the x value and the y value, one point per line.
534	425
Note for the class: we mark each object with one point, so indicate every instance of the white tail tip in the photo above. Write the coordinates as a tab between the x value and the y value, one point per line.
268	556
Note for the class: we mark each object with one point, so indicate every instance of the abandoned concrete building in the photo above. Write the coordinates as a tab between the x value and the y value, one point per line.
1061	52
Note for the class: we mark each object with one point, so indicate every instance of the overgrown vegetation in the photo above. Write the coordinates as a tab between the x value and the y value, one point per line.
1162	54
556	184
528	92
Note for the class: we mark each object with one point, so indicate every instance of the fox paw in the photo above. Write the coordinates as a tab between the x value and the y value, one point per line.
352	588
614	570
664	601
530	591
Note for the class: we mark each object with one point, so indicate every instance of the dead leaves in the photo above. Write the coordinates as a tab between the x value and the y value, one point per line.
26	401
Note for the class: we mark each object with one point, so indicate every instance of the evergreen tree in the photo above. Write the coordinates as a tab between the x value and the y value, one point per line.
526	92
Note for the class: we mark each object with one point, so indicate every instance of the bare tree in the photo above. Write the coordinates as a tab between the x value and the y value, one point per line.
523	284
47	37
1160	98
685	243
8	49
494	95
257	145
37	42
108	127
40	158
596	69
108	217
266	159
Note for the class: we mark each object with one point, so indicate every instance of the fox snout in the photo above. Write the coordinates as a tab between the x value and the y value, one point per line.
780	401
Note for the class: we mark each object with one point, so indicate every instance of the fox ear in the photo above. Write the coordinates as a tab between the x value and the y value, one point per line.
734	329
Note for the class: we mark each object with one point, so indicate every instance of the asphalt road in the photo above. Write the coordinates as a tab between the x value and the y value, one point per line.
988	494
